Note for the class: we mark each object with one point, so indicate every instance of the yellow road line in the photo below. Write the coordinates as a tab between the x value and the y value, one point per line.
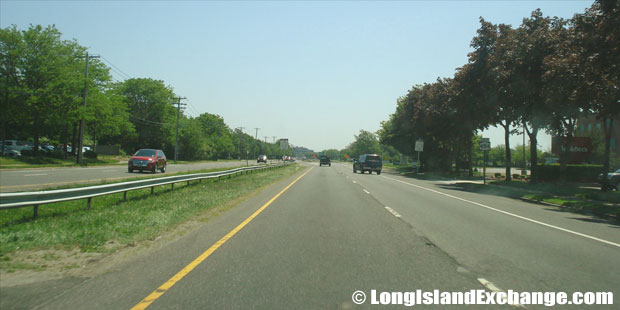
148	300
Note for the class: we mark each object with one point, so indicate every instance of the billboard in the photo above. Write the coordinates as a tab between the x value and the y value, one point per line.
284	144
579	149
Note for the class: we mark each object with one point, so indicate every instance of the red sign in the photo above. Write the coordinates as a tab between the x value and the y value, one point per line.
579	148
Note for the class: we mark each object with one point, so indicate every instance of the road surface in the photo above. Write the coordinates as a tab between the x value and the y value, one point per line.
34	179
313	244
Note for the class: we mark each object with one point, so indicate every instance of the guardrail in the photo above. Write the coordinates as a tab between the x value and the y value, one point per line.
35	199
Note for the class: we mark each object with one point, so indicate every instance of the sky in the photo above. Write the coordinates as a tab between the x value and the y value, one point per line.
314	72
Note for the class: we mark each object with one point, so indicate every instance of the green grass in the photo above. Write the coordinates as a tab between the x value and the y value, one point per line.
69	225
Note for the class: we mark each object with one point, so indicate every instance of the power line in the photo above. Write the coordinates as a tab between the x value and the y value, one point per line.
147	121
118	70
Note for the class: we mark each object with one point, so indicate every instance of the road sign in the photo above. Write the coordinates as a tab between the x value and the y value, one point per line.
485	144
419	145
284	144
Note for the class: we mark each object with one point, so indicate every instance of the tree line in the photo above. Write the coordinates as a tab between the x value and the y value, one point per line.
42	86
543	75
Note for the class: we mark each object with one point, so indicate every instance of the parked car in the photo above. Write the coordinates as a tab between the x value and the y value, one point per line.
261	159
149	160
613	180
368	162
324	160
11	153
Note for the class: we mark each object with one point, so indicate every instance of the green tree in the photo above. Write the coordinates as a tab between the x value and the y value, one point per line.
151	113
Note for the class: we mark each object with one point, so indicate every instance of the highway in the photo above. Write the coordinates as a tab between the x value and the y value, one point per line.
19	180
316	238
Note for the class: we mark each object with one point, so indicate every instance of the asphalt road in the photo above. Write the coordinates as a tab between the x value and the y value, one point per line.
334	232
33	179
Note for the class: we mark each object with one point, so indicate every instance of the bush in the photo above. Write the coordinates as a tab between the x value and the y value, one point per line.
90	154
516	176
27	152
498	175
574	173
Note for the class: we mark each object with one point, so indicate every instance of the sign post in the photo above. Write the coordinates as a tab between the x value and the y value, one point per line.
485	146
419	147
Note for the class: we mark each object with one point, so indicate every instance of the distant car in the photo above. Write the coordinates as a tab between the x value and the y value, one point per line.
149	160
613	180
324	160
261	159
368	162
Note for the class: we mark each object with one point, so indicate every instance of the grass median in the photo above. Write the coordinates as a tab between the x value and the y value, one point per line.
68	225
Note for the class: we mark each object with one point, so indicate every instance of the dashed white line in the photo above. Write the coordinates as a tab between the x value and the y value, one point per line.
396	214
355	182
365	191
511	214
490	286
34	175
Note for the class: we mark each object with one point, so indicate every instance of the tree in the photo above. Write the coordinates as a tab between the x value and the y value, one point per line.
598	41
152	114
365	143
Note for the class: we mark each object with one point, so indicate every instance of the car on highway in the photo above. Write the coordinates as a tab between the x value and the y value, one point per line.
261	159
368	162
613	180
324	160
147	160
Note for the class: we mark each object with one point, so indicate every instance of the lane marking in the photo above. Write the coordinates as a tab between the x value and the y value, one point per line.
365	191
511	214
490	286
148	300
34	175
396	214
355	182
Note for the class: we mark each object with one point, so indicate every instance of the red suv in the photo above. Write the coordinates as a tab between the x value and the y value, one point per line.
147	159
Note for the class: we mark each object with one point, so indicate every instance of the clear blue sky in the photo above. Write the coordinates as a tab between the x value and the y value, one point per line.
315	72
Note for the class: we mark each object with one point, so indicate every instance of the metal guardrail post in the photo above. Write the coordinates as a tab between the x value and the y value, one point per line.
88	203
125	196
172	186
36	211
152	189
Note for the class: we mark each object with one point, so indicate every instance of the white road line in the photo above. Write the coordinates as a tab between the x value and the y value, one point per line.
392	211
355	182
511	214
365	191
490	286
34	175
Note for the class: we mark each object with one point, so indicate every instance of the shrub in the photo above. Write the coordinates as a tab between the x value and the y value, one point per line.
575	173
90	154
27	152
516	176
498	175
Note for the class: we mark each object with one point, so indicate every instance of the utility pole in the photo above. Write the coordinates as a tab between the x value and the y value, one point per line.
266	139
274	139
82	121
176	139
255	138
246	157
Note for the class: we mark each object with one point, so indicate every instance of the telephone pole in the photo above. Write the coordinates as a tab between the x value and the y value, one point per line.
82	121
274	139
176	139
255	138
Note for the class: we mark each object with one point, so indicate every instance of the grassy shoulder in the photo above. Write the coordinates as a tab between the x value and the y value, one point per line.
68	226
